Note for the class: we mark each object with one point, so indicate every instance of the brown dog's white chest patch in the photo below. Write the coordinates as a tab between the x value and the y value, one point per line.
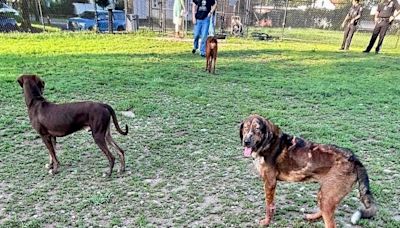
258	163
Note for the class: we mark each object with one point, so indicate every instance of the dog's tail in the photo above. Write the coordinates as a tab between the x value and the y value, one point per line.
114	117
365	194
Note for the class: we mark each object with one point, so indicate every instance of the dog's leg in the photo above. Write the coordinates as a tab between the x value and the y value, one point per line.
214	62
332	192
314	216
100	139
48	141
318	214
120	152
50	164
328	210
269	189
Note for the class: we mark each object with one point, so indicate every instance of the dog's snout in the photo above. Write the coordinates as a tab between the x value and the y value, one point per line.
247	141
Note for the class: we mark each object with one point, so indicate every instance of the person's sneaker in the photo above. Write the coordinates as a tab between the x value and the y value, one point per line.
366	51
193	51
203	55
341	49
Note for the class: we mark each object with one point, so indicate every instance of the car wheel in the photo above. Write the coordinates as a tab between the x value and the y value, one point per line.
8	27
120	28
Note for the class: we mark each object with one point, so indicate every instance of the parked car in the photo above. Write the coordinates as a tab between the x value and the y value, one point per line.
4	8
86	21
119	23
7	24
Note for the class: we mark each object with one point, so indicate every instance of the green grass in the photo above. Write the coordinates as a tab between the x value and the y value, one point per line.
184	159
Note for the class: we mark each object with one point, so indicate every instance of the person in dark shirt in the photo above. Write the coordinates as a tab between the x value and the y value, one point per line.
350	24
202	11
384	17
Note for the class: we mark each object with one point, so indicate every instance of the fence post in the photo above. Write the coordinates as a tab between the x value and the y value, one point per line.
110	21
247	17
41	15
284	19
95	17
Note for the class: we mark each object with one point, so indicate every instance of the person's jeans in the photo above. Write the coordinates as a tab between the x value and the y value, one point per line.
201	32
211	29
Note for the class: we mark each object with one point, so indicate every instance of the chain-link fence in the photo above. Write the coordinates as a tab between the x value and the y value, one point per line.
258	18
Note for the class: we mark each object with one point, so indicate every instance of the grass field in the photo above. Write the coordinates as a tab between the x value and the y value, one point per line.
184	158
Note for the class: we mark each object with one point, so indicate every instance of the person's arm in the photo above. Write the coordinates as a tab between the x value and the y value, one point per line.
345	20
376	17
194	9
357	17
397	12
391	18
213	8
183	7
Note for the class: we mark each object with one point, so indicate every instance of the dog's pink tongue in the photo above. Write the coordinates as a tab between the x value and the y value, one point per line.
247	152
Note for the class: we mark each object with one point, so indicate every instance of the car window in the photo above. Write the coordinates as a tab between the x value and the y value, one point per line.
87	15
119	16
102	16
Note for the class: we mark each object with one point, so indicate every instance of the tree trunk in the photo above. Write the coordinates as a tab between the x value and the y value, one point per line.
35	7
26	21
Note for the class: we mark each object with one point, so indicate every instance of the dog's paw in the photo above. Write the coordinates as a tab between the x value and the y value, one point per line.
106	175
48	166
121	170
52	172
265	222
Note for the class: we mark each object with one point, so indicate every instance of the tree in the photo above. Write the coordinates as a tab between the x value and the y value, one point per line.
102	3
26	21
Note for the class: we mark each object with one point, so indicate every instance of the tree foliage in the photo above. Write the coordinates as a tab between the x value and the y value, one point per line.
102	3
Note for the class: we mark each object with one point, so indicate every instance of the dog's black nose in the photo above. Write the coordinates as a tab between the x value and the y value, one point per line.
247	142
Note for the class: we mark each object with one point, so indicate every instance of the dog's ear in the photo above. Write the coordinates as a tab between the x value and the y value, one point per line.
41	84
241	131
20	80
263	126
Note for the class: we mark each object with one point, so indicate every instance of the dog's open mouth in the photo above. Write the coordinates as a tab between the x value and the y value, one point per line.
247	151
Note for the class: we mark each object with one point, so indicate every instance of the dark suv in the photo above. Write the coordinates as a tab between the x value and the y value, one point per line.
7	24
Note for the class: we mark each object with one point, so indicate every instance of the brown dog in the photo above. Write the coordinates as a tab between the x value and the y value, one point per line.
211	53
56	120
279	156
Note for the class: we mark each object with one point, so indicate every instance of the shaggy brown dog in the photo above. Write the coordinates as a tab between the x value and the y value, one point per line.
279	156
211	53
56	120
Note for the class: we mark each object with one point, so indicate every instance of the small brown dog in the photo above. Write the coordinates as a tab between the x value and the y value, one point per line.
282	157
56	120
211	53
